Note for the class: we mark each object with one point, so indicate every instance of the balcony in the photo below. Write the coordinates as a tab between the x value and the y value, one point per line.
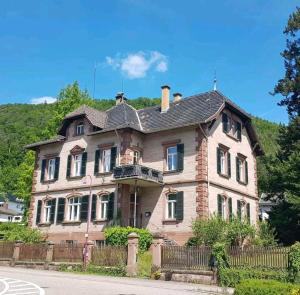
139	175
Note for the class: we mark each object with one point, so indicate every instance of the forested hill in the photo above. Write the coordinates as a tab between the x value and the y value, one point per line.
24	123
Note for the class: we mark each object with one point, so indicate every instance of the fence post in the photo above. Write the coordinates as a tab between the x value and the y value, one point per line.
133	244
156	249
16	254
49	254
90	245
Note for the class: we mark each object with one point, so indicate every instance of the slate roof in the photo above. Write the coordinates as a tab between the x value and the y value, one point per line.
55	139
10	198
191	110
9	211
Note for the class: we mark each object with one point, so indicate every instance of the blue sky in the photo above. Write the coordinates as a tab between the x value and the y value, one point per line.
44	45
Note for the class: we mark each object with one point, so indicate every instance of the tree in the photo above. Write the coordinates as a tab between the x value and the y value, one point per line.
289	86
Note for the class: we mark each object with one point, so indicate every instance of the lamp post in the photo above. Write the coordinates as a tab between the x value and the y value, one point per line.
85	256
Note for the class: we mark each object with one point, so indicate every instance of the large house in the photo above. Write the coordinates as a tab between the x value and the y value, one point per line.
158	168
11	209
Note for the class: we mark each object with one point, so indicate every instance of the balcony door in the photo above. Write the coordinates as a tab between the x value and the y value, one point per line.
138	212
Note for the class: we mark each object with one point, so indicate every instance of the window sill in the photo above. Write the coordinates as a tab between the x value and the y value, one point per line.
68	222
224	175
49	181
97	221
44	224
233	137
104	173
74	177
170	221
167	172
242	182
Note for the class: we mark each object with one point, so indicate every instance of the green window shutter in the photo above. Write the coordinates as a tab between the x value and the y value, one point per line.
225	123
94	207
60	210
52	212
38	212
238	177
228	164
110	208
84	208
248	212
218	160
69	165
113	157
179	206
239	209
43	169
246	172
96	165
220	206
239	130
83	164
230	208
180	156
56	172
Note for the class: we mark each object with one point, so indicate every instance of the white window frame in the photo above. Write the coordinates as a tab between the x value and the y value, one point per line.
136	158
80	129
105	160
242	168
172	157
103	201
223	164
51	169
77	164
223	213
171	207
74	205
47	211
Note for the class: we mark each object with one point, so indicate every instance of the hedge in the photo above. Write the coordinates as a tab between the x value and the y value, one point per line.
231	277
266	287
118	236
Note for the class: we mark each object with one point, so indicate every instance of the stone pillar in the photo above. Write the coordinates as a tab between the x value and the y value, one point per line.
49	254
156	249
90	245
133	245
16	253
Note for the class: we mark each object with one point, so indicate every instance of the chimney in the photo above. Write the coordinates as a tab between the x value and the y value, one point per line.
120	98
177	97
165	98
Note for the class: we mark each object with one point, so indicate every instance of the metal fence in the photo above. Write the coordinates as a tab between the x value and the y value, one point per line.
33	252
259	257
181	257
68	252
109	255
6	250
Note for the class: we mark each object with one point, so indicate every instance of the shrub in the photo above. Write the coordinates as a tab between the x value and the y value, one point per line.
219	252
118	236
263	287
14	232
265	235
144	263
230	277
294	263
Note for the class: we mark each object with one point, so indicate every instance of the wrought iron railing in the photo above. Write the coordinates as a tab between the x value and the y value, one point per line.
138	171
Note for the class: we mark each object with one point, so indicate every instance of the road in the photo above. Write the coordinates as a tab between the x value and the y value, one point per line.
59	283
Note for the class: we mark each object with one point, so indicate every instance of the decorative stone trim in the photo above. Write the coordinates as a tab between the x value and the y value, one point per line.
171	142
77	150
201	175
106	145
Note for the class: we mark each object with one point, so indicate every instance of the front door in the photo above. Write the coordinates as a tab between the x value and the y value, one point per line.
138	222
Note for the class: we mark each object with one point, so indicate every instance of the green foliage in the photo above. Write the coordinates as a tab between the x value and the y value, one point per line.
18	232
118	236
219	252
294	263
144	264
265	235
264	287
231	277
214	230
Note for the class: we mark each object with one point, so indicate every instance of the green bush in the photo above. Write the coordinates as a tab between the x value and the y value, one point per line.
144	264
219	252
294	263
118	236
263	287
231	277
265	235
19	232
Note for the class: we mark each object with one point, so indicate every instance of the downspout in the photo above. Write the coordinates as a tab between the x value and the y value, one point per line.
207	170
117	194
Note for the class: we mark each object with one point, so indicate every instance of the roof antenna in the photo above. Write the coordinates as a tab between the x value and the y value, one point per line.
215	81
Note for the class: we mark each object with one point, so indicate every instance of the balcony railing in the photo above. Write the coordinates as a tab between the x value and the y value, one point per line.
139	172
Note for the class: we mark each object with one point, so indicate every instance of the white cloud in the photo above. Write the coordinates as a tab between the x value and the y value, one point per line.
136	65
43	99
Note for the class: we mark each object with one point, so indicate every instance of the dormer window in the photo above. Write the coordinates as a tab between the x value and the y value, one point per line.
136	158
80	129
232	126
